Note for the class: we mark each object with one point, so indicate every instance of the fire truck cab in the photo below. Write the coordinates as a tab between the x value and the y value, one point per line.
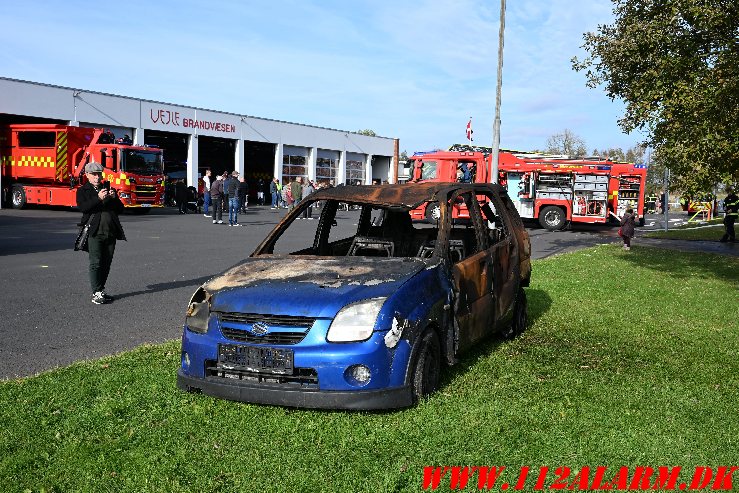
44	164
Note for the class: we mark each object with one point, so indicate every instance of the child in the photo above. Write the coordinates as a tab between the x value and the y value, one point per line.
626	232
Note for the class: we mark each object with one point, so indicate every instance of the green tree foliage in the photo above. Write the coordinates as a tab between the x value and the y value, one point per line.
367	131
633	155
566	142
675	64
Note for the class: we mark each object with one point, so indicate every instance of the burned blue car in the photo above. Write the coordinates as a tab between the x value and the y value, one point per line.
360	308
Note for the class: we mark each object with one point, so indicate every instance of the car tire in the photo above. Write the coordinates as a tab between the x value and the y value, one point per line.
427	369
433	213
552	218
17	197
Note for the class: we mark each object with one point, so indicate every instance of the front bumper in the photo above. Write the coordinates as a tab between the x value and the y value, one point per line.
306	398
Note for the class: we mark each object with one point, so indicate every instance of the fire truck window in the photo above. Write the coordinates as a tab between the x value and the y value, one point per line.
36	139
429	170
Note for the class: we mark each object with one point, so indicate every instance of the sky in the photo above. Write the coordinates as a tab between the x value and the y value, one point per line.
412	70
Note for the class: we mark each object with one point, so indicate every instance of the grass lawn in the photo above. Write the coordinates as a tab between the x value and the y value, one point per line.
710	231
632	358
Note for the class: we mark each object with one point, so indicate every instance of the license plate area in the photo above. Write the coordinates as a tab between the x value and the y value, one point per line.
256	359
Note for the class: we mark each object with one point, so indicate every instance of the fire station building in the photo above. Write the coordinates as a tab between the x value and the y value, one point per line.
194	139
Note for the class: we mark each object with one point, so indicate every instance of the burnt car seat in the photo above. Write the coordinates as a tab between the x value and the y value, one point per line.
398	227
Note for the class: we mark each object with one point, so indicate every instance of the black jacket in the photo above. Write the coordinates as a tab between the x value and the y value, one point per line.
90	204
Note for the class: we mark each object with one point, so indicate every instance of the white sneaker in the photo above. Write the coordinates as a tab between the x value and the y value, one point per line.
220	222
98	298
206	215
214	221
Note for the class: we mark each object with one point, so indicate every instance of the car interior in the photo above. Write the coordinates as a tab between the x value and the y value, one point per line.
390	232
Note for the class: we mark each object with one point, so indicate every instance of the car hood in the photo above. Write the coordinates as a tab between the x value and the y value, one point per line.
307	285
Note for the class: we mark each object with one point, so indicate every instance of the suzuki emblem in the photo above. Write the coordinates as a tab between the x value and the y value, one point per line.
259	329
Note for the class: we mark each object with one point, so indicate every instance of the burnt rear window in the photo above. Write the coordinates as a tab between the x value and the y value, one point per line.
36	139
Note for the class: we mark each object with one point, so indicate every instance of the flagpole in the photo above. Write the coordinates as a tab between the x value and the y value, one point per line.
496	122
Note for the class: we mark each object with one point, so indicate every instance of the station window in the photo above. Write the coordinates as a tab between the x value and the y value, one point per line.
292	167
327	170
354	172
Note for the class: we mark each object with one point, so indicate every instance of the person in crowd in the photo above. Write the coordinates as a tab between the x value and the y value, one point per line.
243	195
206	193
731	210
273	190
216	197
307	190
231	192
628	225
100	205
181	195
260	192
296	191
284	194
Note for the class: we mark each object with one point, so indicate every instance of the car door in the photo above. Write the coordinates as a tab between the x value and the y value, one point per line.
472	275
503	251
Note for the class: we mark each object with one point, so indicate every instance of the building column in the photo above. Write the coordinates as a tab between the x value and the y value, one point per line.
278	161
239	157
138	136
342	167
368	170
192	161
312	162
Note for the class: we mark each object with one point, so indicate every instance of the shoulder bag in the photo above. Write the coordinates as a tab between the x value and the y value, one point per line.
80	244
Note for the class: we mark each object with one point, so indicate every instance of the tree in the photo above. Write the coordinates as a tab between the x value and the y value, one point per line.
566	142
404	155
367	131
675	64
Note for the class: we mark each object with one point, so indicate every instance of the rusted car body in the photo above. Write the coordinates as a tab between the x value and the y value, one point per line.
362	321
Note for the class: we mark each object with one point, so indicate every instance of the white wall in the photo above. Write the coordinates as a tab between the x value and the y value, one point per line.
77	105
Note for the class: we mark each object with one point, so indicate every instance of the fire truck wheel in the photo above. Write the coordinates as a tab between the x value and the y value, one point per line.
433	213
17	197
427	369
520	317
552	218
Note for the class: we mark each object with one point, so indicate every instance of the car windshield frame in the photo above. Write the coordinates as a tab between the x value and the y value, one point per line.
153	166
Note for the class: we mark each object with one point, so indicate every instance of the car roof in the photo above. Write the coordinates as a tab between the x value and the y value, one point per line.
409	195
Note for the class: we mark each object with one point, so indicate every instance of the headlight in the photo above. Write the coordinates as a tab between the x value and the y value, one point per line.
355	322
198	311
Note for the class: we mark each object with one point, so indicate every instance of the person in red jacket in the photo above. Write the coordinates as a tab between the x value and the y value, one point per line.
100	205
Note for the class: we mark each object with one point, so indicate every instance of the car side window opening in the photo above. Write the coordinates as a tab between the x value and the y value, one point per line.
497	230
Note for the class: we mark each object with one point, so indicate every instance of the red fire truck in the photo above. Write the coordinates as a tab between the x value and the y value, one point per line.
555	190
44	164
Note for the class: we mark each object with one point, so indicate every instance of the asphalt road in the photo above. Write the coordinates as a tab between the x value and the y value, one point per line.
47	319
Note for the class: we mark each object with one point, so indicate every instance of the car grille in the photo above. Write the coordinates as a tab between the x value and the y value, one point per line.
271	338
283	329
303	377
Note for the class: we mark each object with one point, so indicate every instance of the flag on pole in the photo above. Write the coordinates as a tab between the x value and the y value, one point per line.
469	130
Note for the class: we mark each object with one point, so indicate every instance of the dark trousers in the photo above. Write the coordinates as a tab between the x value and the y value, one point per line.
729	235
217	203
308	212
101	250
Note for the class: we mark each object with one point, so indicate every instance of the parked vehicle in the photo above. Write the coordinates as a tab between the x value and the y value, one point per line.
44	164
555	190
359	309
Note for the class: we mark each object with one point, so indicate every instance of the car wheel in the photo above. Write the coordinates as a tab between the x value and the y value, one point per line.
552	218
17	197
433	212
428	366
